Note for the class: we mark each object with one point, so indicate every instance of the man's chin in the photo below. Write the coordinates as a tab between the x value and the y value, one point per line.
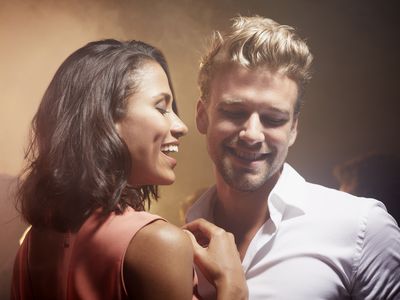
247	187
245	183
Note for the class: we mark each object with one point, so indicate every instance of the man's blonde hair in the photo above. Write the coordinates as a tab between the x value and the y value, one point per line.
254	42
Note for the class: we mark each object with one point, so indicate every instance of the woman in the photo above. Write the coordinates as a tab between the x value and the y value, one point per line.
100	143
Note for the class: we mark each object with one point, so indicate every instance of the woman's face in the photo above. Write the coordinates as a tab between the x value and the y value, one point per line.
151	129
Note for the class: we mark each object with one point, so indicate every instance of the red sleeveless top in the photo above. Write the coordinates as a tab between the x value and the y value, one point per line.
83	265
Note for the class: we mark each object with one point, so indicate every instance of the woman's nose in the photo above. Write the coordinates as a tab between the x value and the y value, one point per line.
178	128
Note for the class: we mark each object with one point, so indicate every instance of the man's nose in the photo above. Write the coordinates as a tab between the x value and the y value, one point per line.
252	131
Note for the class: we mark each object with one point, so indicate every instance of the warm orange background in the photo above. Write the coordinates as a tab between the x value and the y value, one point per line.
351	105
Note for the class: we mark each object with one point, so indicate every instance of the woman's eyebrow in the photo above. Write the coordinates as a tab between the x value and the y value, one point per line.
163	97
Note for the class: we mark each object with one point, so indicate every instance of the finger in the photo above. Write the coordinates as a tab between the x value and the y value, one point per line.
197	238
206	228
196	246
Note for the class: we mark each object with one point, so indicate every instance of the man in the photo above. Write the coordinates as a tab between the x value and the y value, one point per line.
297	240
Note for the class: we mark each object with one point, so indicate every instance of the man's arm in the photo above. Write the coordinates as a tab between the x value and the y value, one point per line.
378	272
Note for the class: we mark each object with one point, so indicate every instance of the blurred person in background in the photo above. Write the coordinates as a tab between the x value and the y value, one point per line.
373	175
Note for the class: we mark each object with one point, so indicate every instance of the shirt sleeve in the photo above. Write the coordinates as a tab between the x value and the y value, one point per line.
378	271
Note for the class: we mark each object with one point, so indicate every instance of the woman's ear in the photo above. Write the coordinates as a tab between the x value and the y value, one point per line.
201	116
118	127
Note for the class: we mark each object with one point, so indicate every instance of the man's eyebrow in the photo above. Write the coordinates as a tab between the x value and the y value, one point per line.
279	111
231	101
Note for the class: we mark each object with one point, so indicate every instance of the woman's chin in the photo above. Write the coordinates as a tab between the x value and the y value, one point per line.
164	179
168	181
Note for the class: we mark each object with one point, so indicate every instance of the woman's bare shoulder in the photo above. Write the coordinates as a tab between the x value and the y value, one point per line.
159	261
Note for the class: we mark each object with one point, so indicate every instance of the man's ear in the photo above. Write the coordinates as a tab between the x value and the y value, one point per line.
293	131
201	117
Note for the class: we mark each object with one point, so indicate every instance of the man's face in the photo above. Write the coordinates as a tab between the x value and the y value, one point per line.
249	124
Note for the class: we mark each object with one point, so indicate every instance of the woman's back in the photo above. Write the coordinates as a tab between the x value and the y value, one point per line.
83	265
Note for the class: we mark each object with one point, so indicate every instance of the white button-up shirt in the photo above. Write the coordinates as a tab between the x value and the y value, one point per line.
319	243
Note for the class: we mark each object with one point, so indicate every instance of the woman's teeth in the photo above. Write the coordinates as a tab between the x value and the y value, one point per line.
169	148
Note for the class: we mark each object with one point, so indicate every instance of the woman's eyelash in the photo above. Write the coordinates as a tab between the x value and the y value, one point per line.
162	110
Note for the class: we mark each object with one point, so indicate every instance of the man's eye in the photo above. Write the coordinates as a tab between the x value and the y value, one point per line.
273	122
235	114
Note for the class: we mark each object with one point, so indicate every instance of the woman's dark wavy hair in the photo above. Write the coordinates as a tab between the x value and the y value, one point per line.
76	161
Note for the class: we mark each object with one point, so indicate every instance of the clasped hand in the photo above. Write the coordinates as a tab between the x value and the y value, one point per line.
217	257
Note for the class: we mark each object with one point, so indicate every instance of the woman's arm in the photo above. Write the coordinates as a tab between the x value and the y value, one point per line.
159	263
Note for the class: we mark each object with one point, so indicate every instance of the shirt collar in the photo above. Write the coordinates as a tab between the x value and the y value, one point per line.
203	207
285	199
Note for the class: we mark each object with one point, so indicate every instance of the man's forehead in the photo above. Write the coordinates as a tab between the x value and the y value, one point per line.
261	90
231	76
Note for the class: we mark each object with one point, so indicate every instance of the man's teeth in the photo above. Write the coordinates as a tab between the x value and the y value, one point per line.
170	148
249	155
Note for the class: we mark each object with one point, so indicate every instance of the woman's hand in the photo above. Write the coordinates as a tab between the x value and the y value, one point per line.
216	255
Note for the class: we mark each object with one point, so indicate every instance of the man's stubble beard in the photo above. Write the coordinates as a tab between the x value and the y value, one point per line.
241	180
